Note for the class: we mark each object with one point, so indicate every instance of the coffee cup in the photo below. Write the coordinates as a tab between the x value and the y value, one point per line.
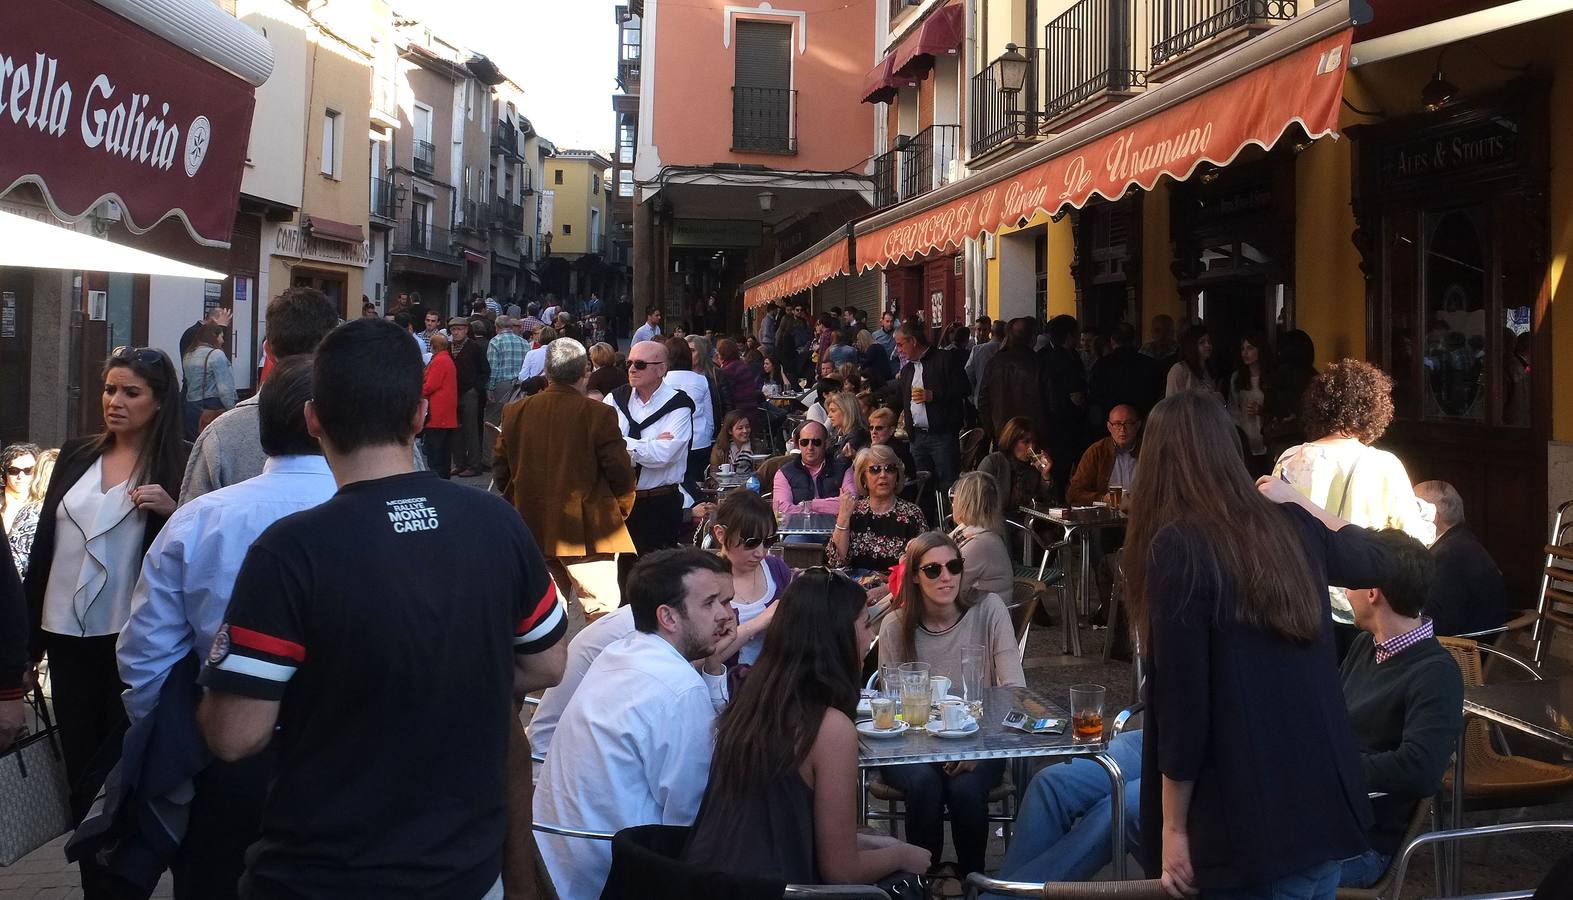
940	686
725	469
953	715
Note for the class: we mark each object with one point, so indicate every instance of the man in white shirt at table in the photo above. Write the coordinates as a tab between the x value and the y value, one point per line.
633	745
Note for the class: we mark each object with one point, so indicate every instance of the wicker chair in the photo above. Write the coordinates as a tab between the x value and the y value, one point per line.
1494	780
1555	608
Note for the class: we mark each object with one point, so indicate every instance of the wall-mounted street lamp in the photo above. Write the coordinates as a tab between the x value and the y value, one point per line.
767	201
1012	70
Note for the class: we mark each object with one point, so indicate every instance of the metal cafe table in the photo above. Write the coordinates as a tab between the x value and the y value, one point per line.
994	741
1080	522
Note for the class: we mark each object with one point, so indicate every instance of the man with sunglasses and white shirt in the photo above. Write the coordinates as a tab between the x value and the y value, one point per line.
657	423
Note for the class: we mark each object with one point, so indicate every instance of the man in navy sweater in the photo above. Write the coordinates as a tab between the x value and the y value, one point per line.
1405	698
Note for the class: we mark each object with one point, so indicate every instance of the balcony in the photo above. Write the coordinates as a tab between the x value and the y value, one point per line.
898	6
412	238
527	182
424	156
1089	52
507	215
1178	26
477	216
886	190
928	159
764	120
384	99
383	198
505	140
999	117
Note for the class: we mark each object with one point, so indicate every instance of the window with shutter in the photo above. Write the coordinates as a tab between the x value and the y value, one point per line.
764	106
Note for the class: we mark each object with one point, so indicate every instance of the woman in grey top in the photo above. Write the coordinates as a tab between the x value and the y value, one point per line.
978	510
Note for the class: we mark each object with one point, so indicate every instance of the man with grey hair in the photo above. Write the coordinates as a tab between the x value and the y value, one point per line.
1467	595
657	423
561	461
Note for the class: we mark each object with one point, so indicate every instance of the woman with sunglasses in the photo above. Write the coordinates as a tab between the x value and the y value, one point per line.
937	622
872	530
782	798
110	495
745	530
17	463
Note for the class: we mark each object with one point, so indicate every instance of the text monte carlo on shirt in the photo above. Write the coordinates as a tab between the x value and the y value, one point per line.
411	514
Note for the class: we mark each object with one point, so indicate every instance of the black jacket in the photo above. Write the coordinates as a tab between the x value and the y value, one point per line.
944	377
13	627
1015	383
1067	421
470	362
1468	594
1125	376
76	457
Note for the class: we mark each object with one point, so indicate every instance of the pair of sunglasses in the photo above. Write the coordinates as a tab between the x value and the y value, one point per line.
932	570
880	469
811	442
639	365
754	542
14	471
145	355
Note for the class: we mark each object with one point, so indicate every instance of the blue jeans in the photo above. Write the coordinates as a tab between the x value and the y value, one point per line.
1319	882
1363	870
929	792
1062	830
937	453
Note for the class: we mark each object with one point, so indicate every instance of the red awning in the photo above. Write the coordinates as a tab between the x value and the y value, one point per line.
1292	75
881	83
331	230
477	258
939	35
814	266
94	108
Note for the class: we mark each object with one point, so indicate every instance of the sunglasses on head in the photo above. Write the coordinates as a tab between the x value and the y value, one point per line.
14	471
811	442
145	355
639	365
931	571
880	469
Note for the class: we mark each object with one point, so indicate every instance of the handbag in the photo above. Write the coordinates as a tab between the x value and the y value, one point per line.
35	806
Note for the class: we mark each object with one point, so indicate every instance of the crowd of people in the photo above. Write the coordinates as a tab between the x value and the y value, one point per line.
285	628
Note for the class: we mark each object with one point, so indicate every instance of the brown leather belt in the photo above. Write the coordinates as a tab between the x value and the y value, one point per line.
661	491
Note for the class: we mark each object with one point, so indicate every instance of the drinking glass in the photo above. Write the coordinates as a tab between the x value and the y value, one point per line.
974	659
889	681
1087	711
884	710
915	694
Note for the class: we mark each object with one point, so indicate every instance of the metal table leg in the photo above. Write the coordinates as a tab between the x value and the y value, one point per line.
1116	811
1454	851
862	796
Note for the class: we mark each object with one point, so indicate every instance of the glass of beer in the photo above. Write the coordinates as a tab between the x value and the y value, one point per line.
884	713
916	695
1116	494
1087	711
917	395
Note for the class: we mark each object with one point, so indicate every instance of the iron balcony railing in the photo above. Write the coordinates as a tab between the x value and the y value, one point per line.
507	214
928	158
1175	26
1091	49
505	139
764	119
413	238
999	116
383	198
886	191
477	215
425	157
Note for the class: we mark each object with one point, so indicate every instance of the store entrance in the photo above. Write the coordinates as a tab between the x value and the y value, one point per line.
16	358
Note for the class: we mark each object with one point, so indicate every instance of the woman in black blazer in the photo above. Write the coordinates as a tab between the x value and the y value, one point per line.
1252	786
110	495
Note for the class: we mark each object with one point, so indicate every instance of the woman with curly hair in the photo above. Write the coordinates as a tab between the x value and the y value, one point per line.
1346	410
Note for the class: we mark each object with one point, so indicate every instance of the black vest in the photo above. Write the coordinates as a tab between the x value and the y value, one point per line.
805	488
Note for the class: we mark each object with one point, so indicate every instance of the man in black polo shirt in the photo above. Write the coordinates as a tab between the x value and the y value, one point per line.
389	672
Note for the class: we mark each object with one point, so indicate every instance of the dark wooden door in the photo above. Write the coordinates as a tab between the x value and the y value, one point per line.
16	358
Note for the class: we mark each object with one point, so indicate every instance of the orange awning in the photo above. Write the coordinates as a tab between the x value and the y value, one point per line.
1292	75
814	266
939	35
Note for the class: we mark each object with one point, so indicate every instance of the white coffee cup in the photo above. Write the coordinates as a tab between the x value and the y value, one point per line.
940	686
953	715
725	469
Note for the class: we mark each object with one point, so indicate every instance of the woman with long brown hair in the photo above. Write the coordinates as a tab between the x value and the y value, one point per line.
938	621
1227	591
111	494
782	798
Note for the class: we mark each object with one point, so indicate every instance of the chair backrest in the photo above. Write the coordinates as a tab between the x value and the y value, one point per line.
767	471
1466	653
1477	731
1027	595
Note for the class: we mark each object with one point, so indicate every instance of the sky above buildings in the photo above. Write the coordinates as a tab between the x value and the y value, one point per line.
562	52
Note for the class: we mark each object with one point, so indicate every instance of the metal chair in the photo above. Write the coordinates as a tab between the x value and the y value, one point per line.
1493	779
1149	889
1050	580
1555	608
1027	596
1422	841
1423	820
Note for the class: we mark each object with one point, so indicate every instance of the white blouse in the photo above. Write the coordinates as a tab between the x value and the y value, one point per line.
98	555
